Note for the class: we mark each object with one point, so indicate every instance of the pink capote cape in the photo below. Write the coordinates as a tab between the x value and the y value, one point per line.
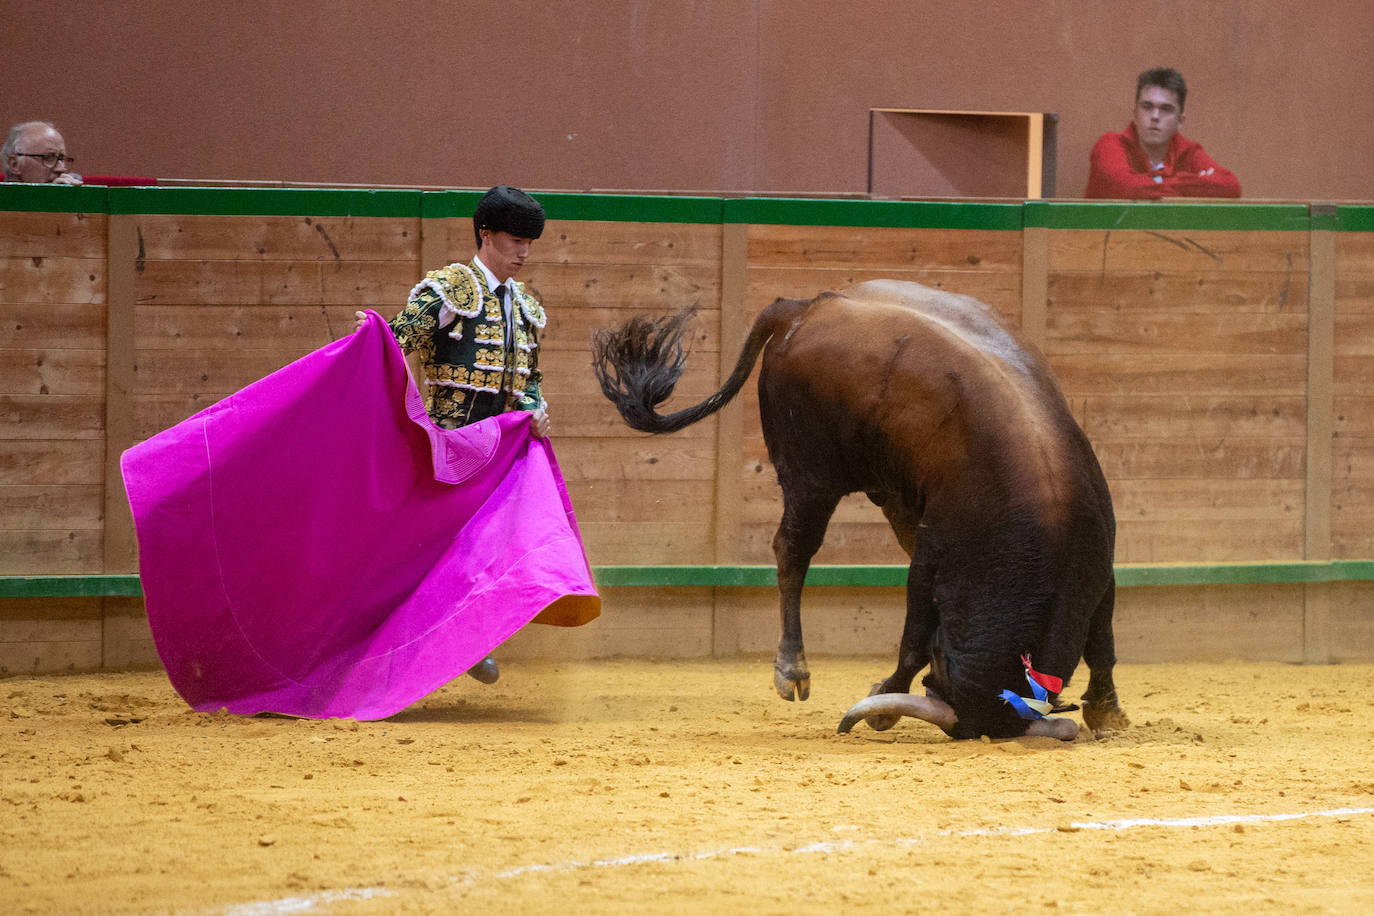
315	546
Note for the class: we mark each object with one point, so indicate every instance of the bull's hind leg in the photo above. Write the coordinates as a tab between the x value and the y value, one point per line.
1101	709
804	520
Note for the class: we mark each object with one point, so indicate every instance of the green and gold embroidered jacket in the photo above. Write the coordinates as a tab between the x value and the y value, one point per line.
458	327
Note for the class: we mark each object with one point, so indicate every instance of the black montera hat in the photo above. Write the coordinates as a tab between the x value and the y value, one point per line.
507	209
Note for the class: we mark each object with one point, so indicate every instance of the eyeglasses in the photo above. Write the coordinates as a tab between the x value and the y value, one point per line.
50	159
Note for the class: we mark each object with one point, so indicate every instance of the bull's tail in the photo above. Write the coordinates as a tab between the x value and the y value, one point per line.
639	363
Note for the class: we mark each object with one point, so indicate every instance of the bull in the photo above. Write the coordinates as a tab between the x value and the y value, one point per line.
930	403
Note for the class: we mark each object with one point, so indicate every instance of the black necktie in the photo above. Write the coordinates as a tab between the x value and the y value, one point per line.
510	331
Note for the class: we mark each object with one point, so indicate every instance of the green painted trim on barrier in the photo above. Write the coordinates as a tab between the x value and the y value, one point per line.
629	208
405	203
265	201
1128	575
1355	219
447	204
92	586
51	198
783	211
1199	217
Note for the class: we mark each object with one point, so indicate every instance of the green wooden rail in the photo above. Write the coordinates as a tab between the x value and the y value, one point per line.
1127	576
663	208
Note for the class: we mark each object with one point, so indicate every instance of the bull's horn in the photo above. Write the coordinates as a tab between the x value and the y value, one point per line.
931	709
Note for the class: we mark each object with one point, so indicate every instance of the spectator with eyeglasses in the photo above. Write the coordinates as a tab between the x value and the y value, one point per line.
35	152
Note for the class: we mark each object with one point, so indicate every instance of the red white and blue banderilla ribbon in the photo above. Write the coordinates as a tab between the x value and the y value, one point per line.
1038	705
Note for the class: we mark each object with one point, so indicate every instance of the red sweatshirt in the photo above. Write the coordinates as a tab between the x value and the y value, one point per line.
1121	168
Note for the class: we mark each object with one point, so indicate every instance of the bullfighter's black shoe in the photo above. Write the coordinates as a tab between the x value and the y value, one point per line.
486	671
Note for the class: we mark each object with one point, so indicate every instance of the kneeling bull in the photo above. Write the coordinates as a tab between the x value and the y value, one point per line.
930	404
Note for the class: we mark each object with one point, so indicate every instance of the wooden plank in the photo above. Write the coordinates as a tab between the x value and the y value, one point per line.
209	372
1351	625
1354	292
48	635
570	327
1173	374
672	502
362	284
667	623
1353	333
644	458
216	237
1210	622
1215	540
52	235
234	328
845	543
1209	499
874	248
79	373
1222	458
1111	333
1198	417
125	637
652	288
50	551
1097	251
50	416
1154	291
836	621
595	243
45	280
646	542
51	507
55	326
1354	416
1001	290
51	462
1354	256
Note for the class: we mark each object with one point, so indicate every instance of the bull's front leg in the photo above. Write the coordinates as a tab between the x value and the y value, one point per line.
1102	710
799	536
921	620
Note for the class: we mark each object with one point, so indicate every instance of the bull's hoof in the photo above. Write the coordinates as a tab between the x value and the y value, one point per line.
486	671
792	684
1104	719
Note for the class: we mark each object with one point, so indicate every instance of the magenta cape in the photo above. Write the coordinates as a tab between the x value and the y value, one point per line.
315	546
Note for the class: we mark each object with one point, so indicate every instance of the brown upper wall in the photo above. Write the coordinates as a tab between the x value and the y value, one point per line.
764	96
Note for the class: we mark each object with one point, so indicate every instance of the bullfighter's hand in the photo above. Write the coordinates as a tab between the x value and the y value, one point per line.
360	318
539	423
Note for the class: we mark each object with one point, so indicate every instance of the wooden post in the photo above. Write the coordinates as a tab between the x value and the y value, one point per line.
1035	283
433	246
1321	318
122	266
734	286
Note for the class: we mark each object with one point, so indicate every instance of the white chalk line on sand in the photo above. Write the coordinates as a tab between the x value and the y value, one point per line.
306	903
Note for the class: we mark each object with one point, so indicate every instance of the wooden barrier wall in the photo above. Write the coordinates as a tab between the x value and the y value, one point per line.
1216	355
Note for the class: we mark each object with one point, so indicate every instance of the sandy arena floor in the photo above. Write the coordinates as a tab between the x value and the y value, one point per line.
688	787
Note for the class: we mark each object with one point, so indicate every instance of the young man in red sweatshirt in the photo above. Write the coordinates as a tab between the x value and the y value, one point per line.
1150	159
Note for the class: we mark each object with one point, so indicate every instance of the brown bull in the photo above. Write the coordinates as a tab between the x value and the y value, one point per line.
929	403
